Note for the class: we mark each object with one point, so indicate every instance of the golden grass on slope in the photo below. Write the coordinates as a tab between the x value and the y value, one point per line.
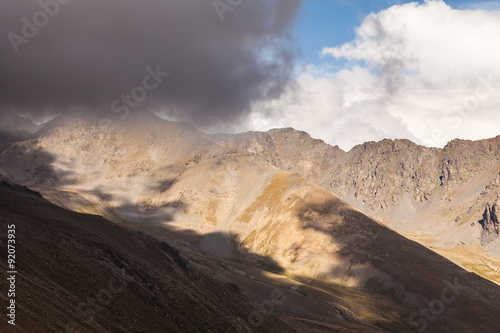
212	212
272	195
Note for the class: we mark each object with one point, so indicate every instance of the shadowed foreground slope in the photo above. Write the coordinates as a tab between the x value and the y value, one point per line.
81	273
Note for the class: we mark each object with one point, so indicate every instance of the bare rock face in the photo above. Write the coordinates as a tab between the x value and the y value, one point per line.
287	149
380	174
463	159
490	221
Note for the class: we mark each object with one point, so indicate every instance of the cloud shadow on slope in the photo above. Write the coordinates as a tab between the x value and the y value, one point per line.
413	276
143	215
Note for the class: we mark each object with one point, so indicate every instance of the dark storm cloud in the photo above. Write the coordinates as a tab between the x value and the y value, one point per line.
93	51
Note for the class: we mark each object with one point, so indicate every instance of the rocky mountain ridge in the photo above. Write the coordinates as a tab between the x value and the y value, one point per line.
231	209
150	171
397	181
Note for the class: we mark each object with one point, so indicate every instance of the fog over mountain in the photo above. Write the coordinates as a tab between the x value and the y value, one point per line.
89	53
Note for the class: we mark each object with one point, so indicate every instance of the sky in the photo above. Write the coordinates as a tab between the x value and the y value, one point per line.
344	71
333	22
369	70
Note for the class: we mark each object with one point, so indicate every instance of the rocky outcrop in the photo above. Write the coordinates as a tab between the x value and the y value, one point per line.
490	221
379	174
461	160
287	149
439	193
386	179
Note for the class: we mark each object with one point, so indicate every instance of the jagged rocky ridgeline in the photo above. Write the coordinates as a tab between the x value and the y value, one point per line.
153	171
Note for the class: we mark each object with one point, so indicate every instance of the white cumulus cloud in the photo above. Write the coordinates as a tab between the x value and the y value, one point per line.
426	72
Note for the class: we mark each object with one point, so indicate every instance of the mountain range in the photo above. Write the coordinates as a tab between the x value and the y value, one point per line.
390	236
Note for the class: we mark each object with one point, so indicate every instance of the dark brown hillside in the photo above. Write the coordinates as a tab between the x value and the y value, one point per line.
66	260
